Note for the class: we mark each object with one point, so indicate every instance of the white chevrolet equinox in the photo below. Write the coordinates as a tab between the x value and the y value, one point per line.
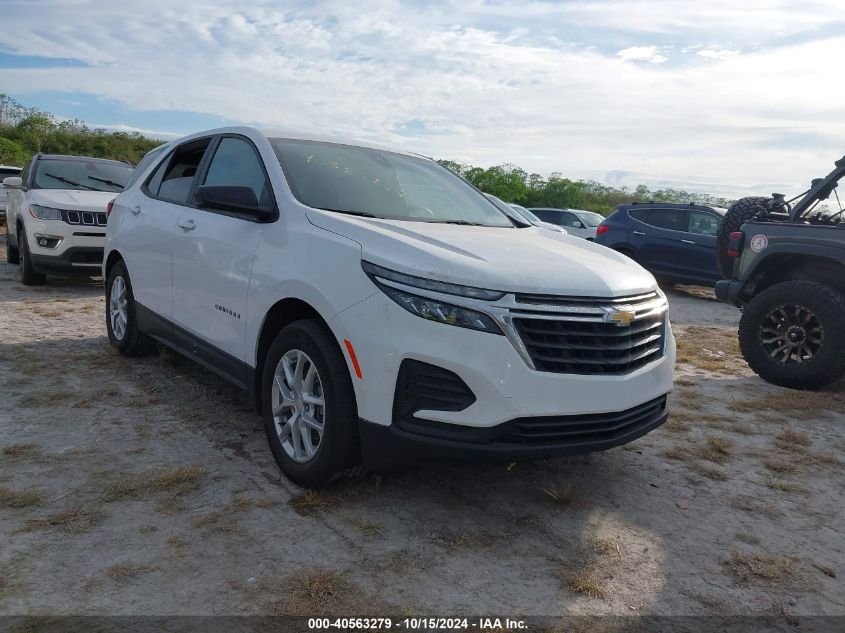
377	307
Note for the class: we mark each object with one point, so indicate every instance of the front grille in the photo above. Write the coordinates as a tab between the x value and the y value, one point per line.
423	386
584	429
85	218
573	336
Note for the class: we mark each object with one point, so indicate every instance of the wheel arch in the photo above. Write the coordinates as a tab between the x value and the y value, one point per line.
780	267
282	313
111	260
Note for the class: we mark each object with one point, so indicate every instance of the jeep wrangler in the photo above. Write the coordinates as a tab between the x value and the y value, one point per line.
784	264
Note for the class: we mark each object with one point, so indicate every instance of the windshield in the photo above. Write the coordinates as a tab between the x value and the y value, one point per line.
381	184
589	218
85	175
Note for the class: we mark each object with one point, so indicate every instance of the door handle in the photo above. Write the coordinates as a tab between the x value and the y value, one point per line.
688	242
186	225
638	233
136	209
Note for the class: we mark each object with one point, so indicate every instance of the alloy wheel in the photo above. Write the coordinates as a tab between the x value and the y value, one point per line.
299	409
118	308
791	335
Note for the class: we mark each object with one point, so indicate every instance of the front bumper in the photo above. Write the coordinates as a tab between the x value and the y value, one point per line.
78	252
517	439
504	386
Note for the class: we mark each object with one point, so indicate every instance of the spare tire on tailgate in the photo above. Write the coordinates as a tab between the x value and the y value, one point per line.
738	214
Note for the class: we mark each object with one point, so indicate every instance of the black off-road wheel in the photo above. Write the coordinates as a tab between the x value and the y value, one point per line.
29	276
308	405
12	254
793	334
739	213
122	315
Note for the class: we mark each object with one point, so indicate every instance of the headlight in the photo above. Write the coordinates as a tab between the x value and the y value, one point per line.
441	312
44	213
430	284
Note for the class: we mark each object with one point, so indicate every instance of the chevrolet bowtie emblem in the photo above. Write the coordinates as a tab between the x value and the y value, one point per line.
622	318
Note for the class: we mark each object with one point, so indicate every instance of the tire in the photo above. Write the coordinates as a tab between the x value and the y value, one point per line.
13	256
820	311
29	276
338	448
739	213
128	339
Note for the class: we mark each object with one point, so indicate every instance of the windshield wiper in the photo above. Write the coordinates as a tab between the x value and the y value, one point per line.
363	214
111	183
462	223
69	182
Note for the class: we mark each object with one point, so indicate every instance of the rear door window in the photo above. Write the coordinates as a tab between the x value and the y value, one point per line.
571	220
671	219
174	179
703	223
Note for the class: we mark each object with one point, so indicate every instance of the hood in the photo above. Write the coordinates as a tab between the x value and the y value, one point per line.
529	260
71	199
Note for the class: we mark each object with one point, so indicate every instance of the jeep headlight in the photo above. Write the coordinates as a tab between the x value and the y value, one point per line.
44	213
434	309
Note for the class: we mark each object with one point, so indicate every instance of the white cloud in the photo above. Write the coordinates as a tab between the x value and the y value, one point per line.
540	84
642	54
716	53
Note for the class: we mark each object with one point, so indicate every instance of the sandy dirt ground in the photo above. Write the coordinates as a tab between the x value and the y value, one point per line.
145	486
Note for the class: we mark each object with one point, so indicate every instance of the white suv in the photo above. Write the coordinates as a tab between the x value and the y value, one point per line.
376	305
56	214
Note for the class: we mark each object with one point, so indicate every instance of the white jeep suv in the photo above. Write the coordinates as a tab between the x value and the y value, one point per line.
377	306
56	214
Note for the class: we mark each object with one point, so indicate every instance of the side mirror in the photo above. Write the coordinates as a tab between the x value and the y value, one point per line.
231	198
579	224
13	182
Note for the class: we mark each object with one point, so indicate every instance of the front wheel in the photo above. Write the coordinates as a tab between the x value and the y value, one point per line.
12	254
29	276
793	334
122	315
308	403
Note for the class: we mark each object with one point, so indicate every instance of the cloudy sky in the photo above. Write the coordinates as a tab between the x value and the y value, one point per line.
721	96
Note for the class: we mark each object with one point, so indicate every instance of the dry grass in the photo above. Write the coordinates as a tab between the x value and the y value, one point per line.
16	450
605	546
748	537
174	481
790	403
50	398
74	520
753	506
19	498
311	502
564	495
685	381
322	592
788	439
678	422
714	349
780	485
364	525
744	567
717	449
781	467
708	471
676	453
122	572
587	583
